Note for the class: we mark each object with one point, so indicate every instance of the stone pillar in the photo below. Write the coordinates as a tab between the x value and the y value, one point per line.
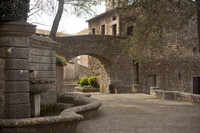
14	48
59	79
2	86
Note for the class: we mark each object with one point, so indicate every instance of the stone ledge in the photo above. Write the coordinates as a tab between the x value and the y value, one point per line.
84	105
175	95
78	89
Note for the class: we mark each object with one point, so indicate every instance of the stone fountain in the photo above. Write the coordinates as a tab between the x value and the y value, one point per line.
36	88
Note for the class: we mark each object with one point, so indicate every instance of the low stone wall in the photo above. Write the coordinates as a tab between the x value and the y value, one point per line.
120	88
78	89
175	95
2	85
43	65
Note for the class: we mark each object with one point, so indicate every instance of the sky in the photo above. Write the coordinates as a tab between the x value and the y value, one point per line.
68	24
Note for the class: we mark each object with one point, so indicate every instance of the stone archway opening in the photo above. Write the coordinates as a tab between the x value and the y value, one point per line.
87	65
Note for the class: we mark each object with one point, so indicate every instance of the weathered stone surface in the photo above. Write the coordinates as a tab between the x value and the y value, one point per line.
17	64
43	67
2	85
17	87
16	98
2	88
42	59
17	111
35	105
48	98
43	52
14	52
17	75
43	74
14	41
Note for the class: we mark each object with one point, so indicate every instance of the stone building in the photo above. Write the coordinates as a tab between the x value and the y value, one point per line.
180	75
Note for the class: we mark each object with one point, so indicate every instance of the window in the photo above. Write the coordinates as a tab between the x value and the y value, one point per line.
114	29
103	29
93	31
130	2
114	18
129	30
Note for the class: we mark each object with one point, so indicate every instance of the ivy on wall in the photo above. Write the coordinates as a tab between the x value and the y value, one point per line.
13	10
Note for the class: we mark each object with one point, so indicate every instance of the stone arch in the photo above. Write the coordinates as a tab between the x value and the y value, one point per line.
117	68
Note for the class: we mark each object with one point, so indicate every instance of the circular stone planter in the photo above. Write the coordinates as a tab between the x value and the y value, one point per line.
79	89
66	122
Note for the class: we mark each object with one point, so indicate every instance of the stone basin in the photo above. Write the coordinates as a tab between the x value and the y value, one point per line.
40	86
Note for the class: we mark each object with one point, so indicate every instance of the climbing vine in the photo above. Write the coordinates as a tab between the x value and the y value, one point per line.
152	20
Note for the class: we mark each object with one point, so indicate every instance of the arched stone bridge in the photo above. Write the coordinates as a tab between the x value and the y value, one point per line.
117	68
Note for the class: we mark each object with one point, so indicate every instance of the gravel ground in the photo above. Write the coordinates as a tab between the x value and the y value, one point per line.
141	113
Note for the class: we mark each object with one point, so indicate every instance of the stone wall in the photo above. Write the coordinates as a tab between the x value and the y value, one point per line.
108	21
43	64
83	70
59	78
169	75
2	87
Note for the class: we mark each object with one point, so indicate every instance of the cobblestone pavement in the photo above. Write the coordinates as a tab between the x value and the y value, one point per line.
141	113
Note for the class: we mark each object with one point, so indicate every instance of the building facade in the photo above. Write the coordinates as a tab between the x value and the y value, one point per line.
178	75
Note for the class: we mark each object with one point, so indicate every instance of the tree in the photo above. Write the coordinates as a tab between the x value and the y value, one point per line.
153	20
78	7
13	10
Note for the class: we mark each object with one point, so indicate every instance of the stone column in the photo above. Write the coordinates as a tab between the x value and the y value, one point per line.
14	48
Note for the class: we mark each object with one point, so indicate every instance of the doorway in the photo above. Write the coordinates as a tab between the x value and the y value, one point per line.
196	85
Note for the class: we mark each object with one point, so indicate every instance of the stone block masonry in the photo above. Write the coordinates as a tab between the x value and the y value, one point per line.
14	79
43	65
2	87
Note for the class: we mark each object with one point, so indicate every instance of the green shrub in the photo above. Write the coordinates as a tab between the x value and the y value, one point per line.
60	60
79	80
84	81
93	81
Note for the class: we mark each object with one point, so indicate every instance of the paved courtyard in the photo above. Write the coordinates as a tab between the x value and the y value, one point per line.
141	113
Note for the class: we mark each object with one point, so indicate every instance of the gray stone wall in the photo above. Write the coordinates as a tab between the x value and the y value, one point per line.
169	75
82	71
43	64
2	87
59	78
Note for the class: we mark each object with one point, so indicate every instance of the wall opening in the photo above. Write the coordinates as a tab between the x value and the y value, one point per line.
103	29
129	31
114	29
136	73
93	31
152	80
196	85
114	18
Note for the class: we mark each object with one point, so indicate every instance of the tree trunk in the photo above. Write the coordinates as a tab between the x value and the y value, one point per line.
57	19
198	20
